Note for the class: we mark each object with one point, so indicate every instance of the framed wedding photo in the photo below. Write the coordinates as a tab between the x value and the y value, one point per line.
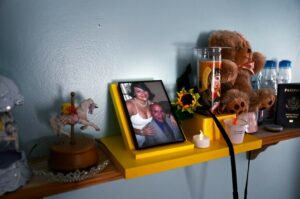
149	114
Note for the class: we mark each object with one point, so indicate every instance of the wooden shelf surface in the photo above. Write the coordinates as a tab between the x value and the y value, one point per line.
39	187
269	138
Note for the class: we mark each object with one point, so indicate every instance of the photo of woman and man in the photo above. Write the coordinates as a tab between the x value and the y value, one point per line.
149	114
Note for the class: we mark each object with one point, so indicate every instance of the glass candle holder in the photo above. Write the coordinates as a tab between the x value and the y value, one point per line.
208	75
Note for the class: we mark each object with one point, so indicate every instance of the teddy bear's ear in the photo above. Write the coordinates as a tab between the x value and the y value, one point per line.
222	38
229	39
259	61
243	42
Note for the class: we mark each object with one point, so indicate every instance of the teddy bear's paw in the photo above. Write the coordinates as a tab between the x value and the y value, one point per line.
237	106
235	102
267	102
268	98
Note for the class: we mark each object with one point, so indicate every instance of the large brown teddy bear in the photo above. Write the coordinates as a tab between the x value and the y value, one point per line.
239	63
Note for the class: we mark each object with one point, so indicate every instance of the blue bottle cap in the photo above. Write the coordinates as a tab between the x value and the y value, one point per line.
285	64
270	64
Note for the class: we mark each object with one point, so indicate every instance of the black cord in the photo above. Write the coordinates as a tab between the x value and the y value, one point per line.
247	178
231	153
31	150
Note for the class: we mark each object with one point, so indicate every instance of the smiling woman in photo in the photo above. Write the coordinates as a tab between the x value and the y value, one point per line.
138	109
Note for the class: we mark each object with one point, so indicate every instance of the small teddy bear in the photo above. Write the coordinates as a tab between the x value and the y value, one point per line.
239	63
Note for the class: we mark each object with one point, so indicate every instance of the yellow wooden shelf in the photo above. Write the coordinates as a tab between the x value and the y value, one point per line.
131	168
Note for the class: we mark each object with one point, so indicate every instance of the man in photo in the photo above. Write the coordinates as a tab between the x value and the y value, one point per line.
165	130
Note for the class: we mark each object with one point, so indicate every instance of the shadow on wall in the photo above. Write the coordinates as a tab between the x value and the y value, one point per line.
111	119
185	57
196	178
202	40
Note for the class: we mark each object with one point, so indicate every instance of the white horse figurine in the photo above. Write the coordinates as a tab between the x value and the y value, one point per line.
79	115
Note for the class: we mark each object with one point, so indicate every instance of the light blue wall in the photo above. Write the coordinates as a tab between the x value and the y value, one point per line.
52	47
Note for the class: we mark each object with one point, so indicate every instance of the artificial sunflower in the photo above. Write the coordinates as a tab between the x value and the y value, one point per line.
186	103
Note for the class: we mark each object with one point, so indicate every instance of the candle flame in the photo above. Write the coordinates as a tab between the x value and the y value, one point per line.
201	135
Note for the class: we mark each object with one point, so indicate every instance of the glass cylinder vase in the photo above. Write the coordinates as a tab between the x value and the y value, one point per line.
209	61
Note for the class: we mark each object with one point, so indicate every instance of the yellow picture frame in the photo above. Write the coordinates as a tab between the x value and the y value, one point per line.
127	137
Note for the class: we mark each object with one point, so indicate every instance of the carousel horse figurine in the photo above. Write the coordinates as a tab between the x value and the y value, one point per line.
71	115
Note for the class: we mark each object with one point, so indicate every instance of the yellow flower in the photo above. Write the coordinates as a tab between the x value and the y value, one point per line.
187	101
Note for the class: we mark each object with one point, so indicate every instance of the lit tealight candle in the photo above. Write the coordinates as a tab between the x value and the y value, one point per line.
201	141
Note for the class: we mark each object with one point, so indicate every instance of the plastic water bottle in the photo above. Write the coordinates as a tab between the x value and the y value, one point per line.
269	80
256	81
269	76
285	72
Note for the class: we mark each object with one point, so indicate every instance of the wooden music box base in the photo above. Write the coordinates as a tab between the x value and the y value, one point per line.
69	157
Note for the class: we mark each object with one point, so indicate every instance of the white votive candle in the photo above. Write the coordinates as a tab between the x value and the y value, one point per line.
201	141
